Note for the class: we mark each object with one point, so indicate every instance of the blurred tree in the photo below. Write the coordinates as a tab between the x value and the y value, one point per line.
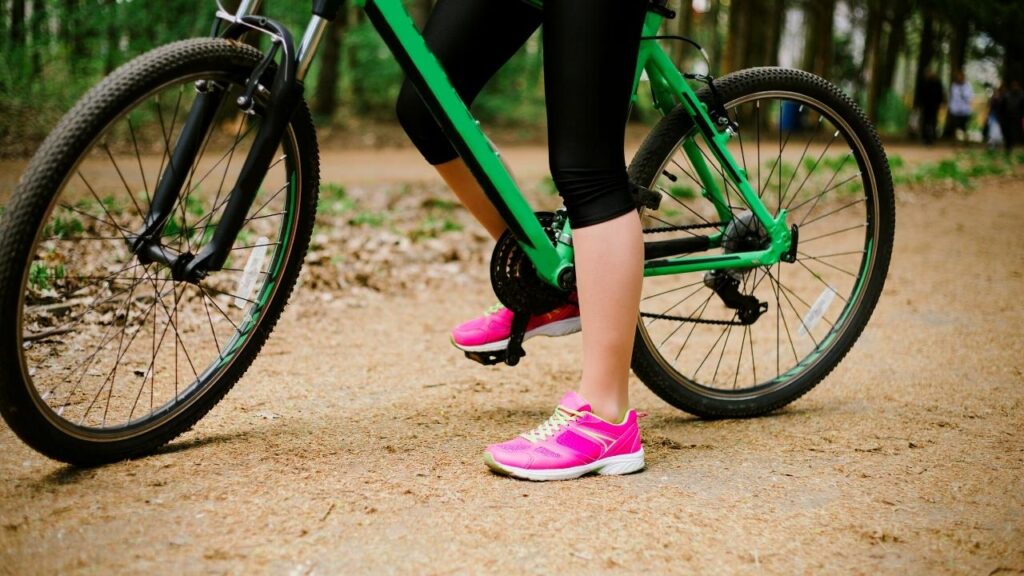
683	27
325	99
755	27
818	45
17	23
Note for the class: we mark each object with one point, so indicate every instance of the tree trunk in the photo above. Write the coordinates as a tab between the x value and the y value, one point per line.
39	38
684	25
926	53
778	12
871	65
818	48
70	27
896	42
110	56
325	100
17	23
738	39
715	43
958	45
872	40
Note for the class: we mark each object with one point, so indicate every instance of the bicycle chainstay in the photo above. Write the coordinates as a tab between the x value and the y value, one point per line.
685	228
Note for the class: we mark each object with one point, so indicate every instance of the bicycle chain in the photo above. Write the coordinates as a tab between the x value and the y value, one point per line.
683	228
693	320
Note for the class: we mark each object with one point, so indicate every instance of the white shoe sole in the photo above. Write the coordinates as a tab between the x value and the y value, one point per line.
558	328
611	466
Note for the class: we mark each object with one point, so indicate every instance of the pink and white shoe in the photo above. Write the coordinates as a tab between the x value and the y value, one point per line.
490	332
571	443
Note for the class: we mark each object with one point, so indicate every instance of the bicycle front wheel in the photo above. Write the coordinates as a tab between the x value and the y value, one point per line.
104	356
806	148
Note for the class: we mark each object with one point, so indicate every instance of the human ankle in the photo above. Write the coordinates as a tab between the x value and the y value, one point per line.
611	412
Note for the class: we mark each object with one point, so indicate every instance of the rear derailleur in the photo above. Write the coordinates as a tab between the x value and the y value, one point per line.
726	284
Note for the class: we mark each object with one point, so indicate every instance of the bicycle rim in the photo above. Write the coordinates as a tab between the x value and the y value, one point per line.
823	177
112	348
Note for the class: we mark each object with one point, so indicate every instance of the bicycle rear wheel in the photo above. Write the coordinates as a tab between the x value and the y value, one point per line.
104	356
806	148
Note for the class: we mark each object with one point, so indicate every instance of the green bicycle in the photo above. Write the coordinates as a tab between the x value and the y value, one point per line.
157	234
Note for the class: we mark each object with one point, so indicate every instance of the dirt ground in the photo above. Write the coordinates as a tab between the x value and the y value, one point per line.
354	442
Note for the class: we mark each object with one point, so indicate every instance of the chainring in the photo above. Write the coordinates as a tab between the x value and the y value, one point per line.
514	277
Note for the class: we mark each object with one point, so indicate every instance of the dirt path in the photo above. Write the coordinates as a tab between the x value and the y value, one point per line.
354	445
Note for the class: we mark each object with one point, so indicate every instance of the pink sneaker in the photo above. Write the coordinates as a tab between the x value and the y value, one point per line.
491	332
571	443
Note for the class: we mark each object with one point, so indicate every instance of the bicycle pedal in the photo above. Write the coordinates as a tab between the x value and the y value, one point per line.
510	356
488	358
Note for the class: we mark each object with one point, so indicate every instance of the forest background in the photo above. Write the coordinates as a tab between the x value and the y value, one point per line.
877	50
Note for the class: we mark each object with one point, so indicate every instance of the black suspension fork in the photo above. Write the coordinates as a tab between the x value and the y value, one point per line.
285	92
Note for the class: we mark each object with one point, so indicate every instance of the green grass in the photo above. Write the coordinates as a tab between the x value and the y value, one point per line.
42	276
61	227
960	170
432	227
334	200
440	204
332	191
369	218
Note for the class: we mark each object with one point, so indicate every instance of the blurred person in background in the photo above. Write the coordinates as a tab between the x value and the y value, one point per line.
993	130
961	95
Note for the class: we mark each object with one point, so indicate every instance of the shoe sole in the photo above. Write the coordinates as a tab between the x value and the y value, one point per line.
611	466
558	328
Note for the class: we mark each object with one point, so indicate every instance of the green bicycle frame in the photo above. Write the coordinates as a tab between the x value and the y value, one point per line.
554	262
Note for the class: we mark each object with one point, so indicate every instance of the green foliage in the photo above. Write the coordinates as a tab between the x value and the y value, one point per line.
376	76
682	192
369	218
961	170
42	276
893	114
334	199
57	58
432	226
62	227
441	204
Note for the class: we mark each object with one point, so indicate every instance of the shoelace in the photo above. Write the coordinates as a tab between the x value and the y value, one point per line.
496	308
560	418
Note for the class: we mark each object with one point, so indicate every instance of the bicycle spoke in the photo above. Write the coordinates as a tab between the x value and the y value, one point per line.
138	158
127	188
700	314
832	266
827	214
676	289
813	168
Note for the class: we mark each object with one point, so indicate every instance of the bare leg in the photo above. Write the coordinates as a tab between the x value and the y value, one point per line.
609	273
458	177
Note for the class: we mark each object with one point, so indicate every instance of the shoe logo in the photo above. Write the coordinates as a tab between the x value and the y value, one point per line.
604	441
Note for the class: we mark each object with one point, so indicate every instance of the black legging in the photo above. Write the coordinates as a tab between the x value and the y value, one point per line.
590	55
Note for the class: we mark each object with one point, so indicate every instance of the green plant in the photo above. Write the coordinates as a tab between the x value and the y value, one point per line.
432	227
42	276
682	192
61	227
440	204
368	218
